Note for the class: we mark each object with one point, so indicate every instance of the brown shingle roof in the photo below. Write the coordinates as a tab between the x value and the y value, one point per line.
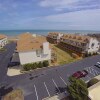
2	36
53	33
77	38
27	42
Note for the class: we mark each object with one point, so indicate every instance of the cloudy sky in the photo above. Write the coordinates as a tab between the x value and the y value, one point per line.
50	14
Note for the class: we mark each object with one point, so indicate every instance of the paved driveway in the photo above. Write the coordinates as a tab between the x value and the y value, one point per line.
5	59
41	84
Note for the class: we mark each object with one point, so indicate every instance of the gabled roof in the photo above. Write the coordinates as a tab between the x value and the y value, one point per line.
27	42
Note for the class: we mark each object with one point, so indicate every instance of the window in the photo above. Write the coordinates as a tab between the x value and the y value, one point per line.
92	45
38	53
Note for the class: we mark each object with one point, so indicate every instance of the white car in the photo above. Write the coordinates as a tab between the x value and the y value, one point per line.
98	63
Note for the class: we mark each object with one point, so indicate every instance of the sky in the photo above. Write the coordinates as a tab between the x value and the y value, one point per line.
50	14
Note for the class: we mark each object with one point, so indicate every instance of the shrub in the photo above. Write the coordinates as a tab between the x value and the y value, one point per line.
32	66
92	82
26	67
40	65
45	63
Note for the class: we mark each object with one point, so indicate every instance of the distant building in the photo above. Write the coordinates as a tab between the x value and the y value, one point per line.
79	44
3	40
54	37
32	48
96	35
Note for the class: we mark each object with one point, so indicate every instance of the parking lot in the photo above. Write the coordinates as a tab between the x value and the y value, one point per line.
46	83
46	87
52	82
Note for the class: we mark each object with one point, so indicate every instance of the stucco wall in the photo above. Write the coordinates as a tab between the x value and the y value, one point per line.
29	57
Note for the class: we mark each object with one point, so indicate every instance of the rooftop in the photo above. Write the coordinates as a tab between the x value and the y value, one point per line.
27	42
77	38
54	33
2	36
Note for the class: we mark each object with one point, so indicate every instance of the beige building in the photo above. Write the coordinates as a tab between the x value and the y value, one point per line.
79	44
32	48
94	91
54	37
3	40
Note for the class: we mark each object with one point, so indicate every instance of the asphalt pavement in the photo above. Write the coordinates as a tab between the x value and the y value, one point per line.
50	81
5	57
46	82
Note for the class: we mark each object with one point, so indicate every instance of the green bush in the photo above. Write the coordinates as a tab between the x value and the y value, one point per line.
31	66
3	49
92	82
40	65
45	63
26	67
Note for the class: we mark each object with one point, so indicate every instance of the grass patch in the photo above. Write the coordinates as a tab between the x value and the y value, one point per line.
63	57
2	49
14	95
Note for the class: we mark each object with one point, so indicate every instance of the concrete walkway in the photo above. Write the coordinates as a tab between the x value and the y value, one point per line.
13	71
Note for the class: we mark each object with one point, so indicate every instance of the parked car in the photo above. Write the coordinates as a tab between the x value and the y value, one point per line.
11	64
97	64
80	74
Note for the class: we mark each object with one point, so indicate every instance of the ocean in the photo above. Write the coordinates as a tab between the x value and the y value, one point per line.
44	32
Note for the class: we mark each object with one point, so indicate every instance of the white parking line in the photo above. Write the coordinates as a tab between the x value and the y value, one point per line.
36	92
56	85
93	71
90	70
63	80
46	89
97	73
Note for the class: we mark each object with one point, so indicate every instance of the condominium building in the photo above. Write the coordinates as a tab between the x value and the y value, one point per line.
32	48
54	37
79	44
3	40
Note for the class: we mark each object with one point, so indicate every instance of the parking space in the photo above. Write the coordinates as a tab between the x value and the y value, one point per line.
92	72
49	88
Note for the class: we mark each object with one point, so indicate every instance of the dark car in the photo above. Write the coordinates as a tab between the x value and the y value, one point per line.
11	64
80	74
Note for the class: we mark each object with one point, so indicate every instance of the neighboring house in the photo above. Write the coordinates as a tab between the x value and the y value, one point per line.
79	44
3	40
96	35
54	37
32	48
